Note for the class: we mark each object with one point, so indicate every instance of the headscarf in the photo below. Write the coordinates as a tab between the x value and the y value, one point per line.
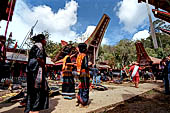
38	38
82	47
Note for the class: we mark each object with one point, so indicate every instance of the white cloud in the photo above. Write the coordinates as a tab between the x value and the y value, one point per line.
87	34
132	14
105	41
58	24
141	35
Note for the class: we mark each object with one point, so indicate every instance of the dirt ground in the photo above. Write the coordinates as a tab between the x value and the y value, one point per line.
153	101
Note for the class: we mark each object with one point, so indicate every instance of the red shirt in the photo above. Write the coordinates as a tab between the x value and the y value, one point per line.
132	68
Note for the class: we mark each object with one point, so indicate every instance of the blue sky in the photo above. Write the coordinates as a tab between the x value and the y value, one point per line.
70	19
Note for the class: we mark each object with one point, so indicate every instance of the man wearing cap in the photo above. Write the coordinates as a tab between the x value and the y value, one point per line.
84	76
37	87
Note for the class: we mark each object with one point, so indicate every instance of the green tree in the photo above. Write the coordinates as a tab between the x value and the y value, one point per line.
125	52
51	47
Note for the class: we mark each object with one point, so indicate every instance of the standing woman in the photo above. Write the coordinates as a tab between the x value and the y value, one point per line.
84	76
68	85
37	87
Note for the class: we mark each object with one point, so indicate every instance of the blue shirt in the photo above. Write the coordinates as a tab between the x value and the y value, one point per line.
94	71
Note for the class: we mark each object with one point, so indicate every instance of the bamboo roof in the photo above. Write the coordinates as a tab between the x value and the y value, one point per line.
155	60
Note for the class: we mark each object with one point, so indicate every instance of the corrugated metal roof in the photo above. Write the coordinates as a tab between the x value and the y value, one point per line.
23	57
155	60
102	66
16	56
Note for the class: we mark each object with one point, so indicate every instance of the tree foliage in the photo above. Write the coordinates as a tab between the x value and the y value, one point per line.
125	51
121	54
51	47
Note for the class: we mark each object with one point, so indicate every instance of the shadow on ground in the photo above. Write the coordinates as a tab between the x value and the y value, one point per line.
153	101
5	104
53	104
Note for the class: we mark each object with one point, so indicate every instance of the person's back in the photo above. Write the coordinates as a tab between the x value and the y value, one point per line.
99	77
168	66
105	76
84	77
165	75
95	72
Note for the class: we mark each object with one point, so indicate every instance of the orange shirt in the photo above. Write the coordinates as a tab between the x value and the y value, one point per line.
79	61
64	62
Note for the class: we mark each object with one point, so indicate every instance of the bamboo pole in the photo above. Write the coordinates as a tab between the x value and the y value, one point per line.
151	27
9	15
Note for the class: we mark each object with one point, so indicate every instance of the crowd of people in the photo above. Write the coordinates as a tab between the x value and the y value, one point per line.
37	85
